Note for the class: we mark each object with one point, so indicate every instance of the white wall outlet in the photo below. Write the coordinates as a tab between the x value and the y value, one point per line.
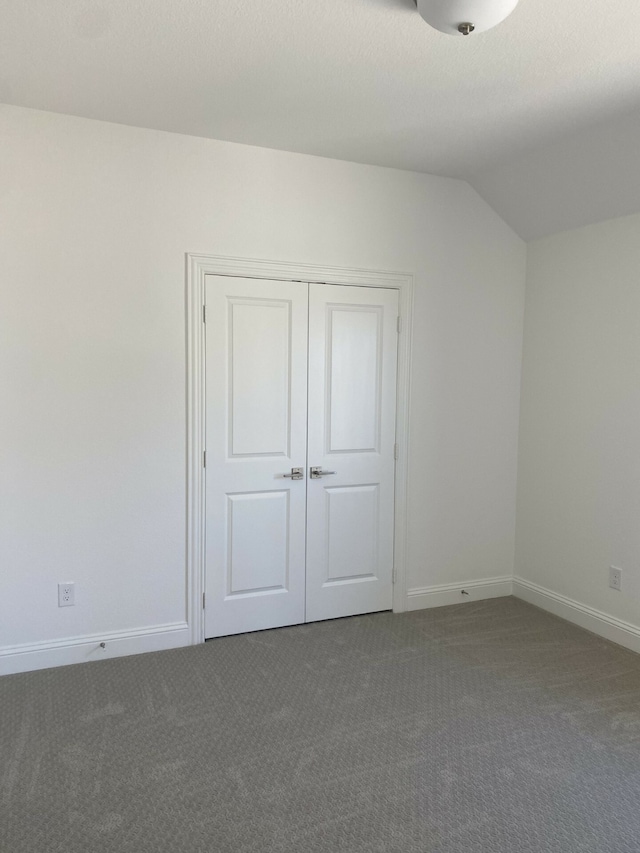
615	578
66	594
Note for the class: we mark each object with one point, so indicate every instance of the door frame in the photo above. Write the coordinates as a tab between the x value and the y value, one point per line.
198	266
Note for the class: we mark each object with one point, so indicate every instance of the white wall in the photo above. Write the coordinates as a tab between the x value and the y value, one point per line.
95	223
579	471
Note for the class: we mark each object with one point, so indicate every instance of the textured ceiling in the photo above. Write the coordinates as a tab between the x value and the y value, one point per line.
524	112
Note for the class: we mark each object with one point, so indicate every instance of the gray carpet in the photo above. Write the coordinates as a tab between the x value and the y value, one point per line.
481	728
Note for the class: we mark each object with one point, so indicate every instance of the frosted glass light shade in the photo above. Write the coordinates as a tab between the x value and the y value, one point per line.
448	15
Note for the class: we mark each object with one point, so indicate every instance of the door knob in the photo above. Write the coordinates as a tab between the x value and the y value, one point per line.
317	472
296	474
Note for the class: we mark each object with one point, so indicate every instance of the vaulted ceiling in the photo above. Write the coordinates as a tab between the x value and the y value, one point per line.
541	114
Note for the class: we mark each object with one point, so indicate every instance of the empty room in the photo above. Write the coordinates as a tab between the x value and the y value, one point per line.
319	423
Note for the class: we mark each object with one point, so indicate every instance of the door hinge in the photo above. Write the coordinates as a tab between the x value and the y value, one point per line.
396	451
399	324
394	575
203	599
204	313
204	459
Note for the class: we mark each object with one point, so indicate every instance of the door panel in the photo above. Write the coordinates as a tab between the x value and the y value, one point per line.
259	333
351	508
256	376
256	519
351	431
353	348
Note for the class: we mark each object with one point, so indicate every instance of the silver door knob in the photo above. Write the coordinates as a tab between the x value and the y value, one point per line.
296	474
317	472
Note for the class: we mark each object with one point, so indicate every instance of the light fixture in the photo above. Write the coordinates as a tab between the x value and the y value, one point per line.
463	17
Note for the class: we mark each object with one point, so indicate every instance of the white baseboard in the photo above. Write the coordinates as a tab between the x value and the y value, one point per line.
458	593
153	638
87	648
616	630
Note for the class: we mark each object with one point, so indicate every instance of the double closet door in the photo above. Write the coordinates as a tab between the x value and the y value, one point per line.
300	435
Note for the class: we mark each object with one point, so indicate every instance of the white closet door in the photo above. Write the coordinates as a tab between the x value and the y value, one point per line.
352	413
256	419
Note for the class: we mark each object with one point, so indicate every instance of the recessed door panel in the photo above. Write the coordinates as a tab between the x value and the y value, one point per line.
354	351
352	533
259	363
258	543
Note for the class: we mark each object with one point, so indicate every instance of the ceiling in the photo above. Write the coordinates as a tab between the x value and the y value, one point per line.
541	114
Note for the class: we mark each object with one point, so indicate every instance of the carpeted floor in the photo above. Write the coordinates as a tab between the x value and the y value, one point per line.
481	728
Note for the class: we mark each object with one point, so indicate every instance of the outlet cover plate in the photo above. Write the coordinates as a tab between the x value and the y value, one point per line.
615	578
66	594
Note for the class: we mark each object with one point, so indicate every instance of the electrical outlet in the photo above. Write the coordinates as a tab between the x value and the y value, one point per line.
615	578
66	594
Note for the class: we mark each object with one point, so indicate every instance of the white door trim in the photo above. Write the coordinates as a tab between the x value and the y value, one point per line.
199	266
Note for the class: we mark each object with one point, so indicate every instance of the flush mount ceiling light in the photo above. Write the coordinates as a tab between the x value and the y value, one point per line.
463	17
